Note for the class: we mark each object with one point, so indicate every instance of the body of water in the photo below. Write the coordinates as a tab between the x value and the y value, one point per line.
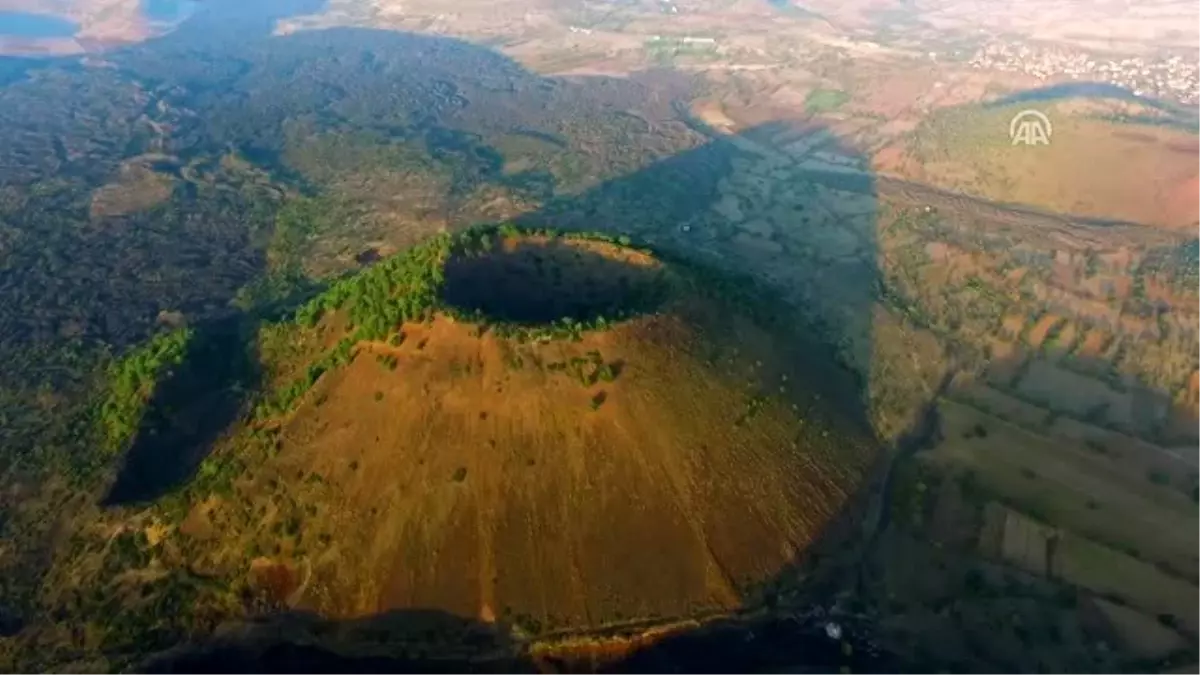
167	11
30	25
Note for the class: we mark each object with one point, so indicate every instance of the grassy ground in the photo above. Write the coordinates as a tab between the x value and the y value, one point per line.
825	100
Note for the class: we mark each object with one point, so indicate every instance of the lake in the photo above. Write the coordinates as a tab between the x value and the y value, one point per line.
30	25
167	11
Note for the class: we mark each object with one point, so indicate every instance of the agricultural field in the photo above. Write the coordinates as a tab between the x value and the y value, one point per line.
1099	493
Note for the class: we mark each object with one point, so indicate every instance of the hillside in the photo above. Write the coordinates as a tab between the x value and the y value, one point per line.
551	434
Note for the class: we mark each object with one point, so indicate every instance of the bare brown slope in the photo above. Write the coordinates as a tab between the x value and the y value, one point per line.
480	477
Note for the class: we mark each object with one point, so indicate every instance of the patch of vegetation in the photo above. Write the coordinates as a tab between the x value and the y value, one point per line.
754	407
298	222
1170	622
976	431
216	474
377	300
915	484
130	383
274	290
962	128
127	550
588	370
825	100
666	51
1179	264
158	621
598	400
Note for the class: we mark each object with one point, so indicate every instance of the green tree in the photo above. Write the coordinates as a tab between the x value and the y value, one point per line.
129	384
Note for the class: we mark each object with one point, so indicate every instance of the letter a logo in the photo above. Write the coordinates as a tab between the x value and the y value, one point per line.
1030	127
